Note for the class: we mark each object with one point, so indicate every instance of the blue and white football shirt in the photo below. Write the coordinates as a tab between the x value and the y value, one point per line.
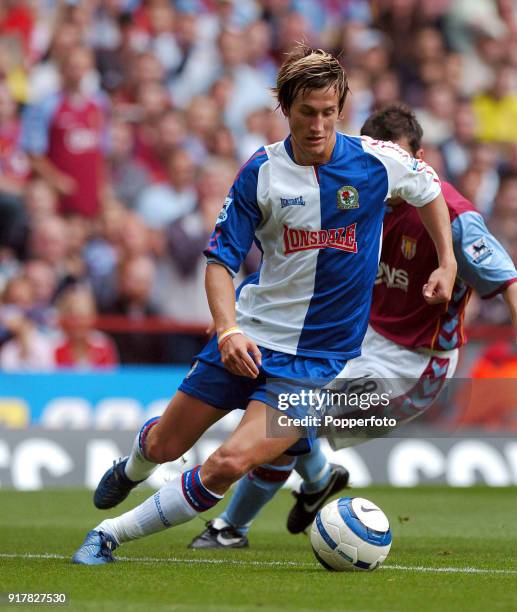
319	229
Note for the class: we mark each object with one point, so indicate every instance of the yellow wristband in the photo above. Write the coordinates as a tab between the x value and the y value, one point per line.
226	334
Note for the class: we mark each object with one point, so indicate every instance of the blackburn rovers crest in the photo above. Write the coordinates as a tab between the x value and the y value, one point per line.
408	247
347	198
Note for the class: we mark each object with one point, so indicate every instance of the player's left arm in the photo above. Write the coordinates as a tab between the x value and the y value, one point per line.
483	263
435	217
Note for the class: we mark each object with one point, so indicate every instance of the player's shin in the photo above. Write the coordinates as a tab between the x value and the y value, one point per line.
314	469
253	492
176	502
138	467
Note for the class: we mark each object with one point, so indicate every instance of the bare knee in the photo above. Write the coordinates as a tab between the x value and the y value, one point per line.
159	449
224	467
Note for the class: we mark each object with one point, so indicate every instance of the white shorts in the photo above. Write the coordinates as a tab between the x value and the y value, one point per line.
412	379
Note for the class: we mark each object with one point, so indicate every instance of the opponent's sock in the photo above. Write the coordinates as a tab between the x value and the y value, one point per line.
176	502
314	469
252	493
138	467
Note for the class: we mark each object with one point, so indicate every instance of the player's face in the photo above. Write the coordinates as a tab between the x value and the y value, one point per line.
312	123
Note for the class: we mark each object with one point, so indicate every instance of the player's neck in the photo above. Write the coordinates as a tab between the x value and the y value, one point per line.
308	158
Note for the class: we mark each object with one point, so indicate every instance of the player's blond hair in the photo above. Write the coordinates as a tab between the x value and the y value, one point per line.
306	69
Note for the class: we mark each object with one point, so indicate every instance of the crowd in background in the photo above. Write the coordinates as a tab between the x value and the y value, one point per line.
123	123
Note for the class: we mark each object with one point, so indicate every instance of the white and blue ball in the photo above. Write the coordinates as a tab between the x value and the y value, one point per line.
351	533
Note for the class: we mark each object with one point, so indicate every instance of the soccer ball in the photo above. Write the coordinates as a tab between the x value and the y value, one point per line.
351	533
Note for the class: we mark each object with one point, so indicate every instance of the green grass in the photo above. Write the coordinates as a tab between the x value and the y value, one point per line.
433	527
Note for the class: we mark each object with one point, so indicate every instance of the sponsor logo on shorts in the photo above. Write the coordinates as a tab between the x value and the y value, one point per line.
341	238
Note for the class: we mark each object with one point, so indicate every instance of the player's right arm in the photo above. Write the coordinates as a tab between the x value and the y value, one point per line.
229	244
435	218
236	349
415	182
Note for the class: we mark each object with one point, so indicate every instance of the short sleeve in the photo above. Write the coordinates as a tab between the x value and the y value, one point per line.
36	121
239	217
483	263
408	178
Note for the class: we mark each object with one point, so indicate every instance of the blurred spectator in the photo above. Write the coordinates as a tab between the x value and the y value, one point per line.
43	281
14	168
45	76
152	102
17	20
13	68
484	160
135	283
128	177
114	63
63	135
162	203
504	220
386	89
194	72
457	149
59	243
40	199
204	115
181	271
436	114
496	110
82	346
39	202
250	87
26	347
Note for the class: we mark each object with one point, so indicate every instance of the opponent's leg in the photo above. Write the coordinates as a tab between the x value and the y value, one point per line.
321	480
253	491
159	440
194	491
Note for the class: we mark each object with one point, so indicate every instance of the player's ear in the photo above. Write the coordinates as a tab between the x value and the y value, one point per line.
420	154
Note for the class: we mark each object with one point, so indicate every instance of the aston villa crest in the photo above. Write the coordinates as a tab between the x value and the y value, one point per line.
347	198
408	247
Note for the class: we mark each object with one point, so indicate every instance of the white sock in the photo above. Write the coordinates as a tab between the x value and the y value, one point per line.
176	502
166	508
137	466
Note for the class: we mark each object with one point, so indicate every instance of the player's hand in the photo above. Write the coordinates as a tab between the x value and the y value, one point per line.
438	288
236	357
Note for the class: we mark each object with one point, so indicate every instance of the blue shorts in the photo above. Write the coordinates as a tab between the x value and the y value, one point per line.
280	374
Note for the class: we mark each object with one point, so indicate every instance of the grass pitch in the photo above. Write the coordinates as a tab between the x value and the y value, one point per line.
453	549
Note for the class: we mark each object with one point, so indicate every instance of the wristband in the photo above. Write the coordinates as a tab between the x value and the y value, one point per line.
231	331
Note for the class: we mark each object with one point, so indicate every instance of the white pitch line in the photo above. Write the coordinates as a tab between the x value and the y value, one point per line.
167	560
403	568
448	570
